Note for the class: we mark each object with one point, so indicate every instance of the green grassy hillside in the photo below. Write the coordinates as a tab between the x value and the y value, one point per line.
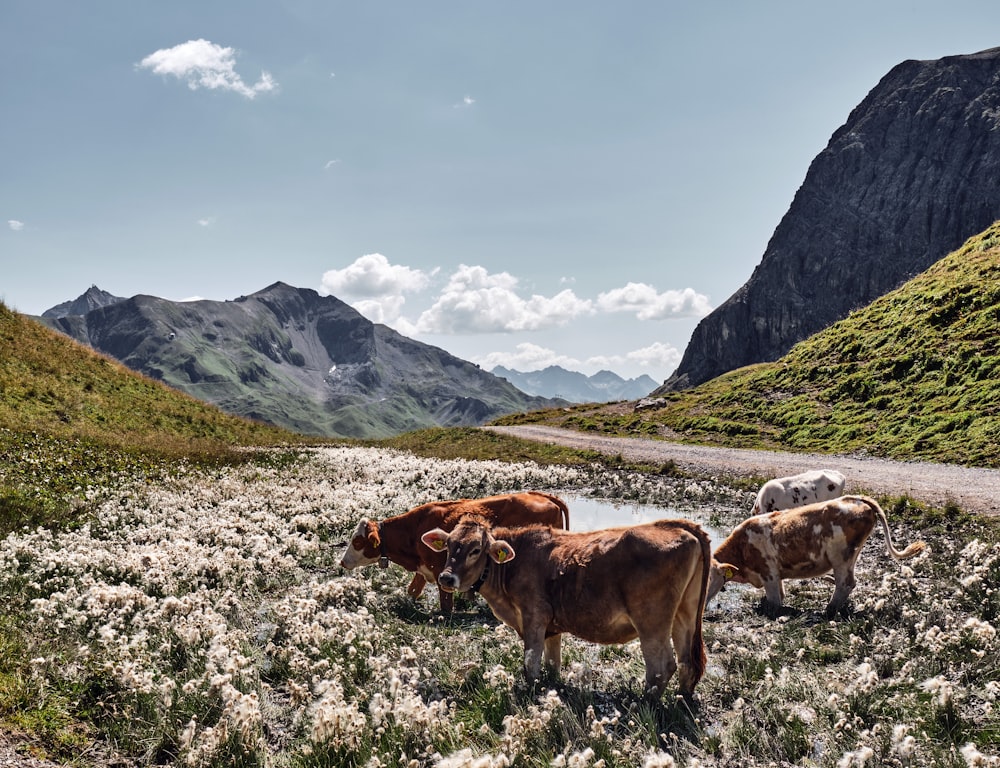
914	375
70	417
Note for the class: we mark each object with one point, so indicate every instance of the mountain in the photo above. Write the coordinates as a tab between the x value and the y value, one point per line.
554	381
93	298
915	375
289	357
910	175
54	388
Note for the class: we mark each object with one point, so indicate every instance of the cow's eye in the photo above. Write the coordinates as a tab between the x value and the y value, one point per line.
475	552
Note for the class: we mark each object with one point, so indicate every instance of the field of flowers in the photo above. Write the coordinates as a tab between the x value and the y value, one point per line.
203	620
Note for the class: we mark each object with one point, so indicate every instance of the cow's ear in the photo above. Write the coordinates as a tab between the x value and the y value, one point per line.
501	552
373	538
728	571
436	539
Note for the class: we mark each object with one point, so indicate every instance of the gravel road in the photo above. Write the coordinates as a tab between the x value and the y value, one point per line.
974	490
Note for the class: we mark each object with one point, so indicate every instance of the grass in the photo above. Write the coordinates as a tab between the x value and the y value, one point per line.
915	375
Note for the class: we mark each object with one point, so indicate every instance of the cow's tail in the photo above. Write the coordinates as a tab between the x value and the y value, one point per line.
699	660
915	548
559	503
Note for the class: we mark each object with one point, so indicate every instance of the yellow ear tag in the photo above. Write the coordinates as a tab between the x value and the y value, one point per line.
439	545
729	573
501	555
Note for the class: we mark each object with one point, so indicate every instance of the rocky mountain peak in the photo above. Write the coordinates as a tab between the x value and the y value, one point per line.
910	175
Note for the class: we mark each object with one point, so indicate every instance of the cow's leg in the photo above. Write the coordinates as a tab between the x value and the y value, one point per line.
774	596
447	601
416	586
658	653
553	652
534	646
845	581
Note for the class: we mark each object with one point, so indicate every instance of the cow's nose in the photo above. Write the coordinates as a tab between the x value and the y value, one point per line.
448	579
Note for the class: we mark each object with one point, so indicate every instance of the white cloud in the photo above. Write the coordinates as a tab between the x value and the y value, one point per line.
647	304
385	310
527	357
465	103
656	357
474	301
206	221
372	276
330	164
204	64
16	225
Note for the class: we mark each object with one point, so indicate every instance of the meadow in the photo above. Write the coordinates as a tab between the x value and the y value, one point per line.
199	617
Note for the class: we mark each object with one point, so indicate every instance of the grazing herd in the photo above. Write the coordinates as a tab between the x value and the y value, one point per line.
650	581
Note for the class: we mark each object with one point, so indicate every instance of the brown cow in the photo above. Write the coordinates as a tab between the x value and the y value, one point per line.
397	539
606	586
802	543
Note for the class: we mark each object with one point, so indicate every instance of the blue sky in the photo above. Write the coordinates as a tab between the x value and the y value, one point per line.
520	183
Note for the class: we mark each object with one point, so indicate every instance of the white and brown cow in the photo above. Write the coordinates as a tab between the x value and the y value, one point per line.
802	543
397	539
606	586
797	490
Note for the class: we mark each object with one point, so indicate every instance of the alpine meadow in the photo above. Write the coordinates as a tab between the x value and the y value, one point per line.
173	597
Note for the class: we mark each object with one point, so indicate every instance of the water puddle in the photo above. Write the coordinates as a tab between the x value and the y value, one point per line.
587	513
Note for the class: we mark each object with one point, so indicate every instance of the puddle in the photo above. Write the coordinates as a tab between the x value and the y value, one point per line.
587	513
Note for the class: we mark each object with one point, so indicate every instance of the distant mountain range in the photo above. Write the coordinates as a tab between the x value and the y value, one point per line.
290	357
554	381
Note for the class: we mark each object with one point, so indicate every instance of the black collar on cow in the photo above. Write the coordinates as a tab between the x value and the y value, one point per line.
383	560
482	578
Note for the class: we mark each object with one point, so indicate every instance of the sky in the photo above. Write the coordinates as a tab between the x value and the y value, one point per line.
554	182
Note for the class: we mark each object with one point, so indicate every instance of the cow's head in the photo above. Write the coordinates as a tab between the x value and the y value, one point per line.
470	547
718	575
365	545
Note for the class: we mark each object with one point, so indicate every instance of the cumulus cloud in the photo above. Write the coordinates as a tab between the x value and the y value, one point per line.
372	276
375	287
16	225
204	64
646	303
475	301
657	355
527	357
465	103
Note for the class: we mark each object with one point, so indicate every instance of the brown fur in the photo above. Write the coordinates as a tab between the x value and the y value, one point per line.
802	543
608	586
398	538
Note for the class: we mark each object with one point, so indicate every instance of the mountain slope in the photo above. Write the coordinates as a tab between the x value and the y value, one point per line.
289	357
51	385
915	375
555	381
908	177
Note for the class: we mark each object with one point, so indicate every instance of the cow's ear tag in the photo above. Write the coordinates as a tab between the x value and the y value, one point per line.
436	540
502	552
729	573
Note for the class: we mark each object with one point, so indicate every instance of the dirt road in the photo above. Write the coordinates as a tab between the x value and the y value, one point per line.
974	490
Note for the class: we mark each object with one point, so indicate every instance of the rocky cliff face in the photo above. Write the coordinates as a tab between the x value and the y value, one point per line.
913	172
293	358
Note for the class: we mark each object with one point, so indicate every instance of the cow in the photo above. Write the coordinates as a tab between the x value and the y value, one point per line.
397	539
606	586
796	490
802	543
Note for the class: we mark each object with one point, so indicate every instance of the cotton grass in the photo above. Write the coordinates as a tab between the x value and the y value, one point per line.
203	621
